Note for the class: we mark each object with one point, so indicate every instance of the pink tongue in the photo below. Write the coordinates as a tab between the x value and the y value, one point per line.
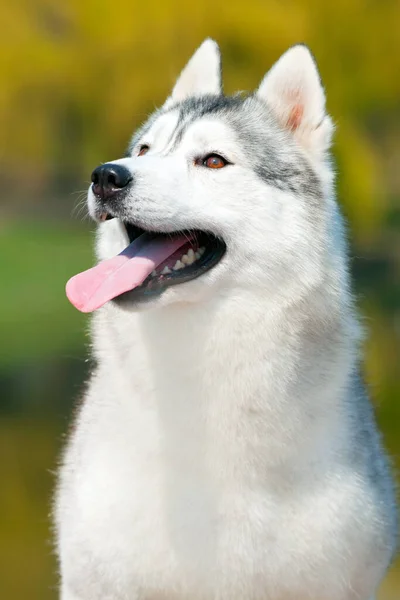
91	289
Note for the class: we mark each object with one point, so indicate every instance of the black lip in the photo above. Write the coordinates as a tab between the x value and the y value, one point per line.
155	286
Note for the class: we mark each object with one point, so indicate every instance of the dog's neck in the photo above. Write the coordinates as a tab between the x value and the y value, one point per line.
233	369
261	348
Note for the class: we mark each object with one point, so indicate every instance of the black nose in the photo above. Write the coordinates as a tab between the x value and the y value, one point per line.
109	179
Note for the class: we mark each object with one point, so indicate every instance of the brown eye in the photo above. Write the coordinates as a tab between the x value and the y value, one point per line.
143	149
214	161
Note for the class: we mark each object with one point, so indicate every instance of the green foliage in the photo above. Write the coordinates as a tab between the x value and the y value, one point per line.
36	260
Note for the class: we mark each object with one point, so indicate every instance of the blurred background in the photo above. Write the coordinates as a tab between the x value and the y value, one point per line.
76	77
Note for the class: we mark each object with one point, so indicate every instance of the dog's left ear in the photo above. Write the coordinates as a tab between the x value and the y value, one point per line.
201	76
293	91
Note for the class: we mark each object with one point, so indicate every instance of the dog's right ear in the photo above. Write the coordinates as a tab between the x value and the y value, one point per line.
201	76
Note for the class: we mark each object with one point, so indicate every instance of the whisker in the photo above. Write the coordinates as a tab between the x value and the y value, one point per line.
80	205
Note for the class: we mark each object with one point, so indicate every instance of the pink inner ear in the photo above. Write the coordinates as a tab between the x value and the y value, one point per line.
295	117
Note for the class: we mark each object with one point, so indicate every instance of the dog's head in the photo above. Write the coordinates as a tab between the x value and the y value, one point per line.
243	180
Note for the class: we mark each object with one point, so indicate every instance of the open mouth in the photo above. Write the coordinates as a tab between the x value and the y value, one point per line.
150	263
200	253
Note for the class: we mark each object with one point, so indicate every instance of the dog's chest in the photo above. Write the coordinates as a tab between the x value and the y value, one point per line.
165	497
146	526
176	531
177	479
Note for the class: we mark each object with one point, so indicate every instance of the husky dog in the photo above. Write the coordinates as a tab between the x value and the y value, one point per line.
225	448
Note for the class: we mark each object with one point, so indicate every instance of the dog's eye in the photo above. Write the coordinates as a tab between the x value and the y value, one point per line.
214	161
143	149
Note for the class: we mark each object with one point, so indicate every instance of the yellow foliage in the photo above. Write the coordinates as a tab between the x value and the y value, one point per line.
77	76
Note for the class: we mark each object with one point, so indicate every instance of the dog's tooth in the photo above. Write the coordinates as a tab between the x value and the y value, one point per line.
202	250
185	259
165	271
153	273
191	256
178	265
197	255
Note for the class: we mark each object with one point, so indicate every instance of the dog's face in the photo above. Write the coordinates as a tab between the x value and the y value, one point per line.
242	179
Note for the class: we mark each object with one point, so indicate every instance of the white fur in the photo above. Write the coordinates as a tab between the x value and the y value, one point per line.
214	454
201	76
